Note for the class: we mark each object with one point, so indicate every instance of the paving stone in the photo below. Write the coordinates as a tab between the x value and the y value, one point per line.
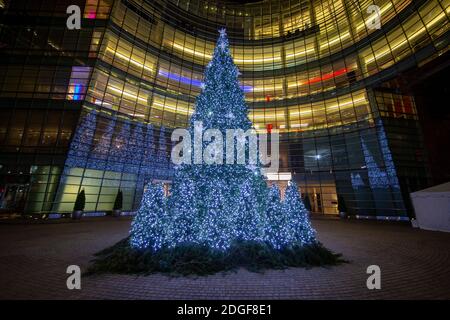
414	265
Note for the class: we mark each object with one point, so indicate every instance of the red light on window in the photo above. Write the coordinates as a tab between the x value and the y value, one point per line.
268	98
407	104
326	76
269	127
398	109
92	15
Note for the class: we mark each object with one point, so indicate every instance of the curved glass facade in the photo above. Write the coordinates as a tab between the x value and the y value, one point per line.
317	71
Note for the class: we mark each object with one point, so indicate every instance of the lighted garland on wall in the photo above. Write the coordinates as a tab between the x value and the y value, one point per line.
119	148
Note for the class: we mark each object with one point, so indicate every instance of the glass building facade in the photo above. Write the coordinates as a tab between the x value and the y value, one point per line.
93	108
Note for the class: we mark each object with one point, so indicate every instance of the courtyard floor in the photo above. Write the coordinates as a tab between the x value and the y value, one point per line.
414	264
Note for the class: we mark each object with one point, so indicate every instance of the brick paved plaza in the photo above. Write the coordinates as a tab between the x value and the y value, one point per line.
414	265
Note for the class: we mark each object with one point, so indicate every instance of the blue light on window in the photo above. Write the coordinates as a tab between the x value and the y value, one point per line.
179	78
247	88
77	91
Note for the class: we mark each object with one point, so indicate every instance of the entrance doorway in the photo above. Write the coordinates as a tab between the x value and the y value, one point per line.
13	198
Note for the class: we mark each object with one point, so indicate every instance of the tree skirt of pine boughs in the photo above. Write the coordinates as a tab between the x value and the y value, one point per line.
201	260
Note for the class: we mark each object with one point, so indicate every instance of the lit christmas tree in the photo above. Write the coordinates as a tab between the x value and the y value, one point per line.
357	181
218	216
381	181
297	224
387	156
149	226
377	177
249	212
275	231
216	205
185	213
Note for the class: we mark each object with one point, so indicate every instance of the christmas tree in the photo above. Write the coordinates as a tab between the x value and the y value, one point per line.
297	222
249	214
387	156
148	228
275	227
377	177
184	212
219	215
357	181
219	204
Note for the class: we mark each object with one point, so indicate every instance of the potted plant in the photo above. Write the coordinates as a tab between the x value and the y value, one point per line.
117	208
78	208
342	207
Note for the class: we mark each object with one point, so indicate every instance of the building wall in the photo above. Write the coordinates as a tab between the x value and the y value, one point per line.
45	70
312	70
